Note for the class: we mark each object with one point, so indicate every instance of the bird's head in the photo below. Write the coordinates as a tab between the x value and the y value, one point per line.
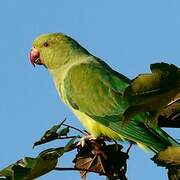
52	50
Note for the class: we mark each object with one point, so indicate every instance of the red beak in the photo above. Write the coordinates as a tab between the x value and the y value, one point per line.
34	57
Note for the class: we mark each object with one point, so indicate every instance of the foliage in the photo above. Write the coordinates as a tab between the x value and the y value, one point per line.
151	92
169	158
96	156
101	156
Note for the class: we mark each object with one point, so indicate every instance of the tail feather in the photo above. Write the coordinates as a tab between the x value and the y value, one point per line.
154	139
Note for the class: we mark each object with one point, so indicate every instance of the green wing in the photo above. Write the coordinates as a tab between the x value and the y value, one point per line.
96	90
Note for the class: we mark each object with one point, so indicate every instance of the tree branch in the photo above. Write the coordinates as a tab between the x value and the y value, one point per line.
79	169
169	122
67	125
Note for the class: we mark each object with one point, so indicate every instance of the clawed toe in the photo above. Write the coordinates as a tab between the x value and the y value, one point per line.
84	139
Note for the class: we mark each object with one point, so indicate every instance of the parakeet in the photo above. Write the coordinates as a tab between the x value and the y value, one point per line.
94	91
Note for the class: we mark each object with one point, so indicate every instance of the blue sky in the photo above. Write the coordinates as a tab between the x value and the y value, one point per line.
128	35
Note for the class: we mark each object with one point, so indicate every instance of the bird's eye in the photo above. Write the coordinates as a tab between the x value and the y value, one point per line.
46	44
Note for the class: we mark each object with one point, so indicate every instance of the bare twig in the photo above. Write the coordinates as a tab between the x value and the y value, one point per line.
129	148
67	125
171	122
79	169
68	137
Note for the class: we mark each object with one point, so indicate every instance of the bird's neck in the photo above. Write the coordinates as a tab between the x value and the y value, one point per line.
59	73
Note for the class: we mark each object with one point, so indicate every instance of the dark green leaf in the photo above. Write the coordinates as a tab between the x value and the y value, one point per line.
152	92
63	132
29	168
50	134
168	157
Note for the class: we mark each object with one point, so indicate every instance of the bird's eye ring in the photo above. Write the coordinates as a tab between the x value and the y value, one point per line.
46	44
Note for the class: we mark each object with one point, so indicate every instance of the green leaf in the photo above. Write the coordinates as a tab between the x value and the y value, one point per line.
52	134
29	168
168	157
71	144
63	132
151	92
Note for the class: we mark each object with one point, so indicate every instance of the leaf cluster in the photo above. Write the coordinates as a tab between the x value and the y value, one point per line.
95	156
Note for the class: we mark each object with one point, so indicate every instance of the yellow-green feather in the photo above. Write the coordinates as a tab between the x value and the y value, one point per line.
94	127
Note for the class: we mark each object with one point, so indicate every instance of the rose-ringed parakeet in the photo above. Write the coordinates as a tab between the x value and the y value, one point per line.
94	91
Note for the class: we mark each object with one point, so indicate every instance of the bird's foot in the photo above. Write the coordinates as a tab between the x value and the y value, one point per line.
84	139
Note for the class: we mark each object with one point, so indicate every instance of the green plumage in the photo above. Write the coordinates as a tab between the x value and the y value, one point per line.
94	92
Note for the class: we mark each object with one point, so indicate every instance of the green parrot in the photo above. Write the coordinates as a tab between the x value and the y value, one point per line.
94	92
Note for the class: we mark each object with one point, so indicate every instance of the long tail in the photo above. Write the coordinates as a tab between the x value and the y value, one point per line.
154	139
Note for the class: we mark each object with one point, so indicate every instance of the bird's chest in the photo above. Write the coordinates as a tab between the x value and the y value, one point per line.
59	77
62	92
